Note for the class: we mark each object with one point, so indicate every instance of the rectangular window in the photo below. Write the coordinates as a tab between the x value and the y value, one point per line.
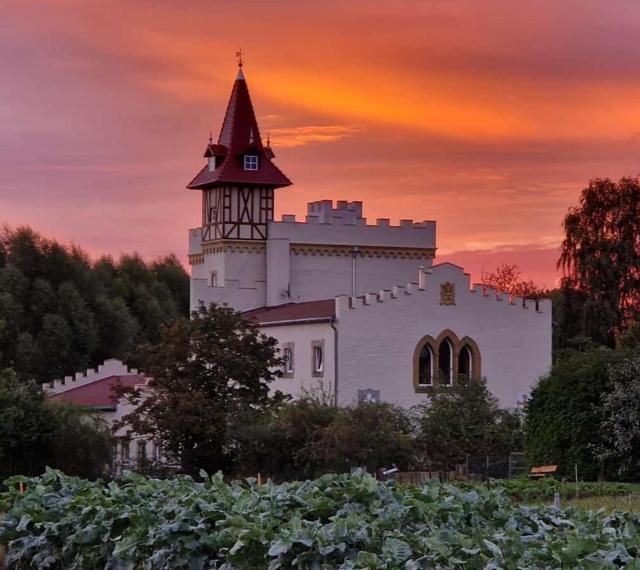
287	355
142	451
213	279
288	360
317	358
125	450
250	162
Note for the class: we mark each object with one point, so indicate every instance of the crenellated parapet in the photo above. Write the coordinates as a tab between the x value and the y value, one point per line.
450	283
111	367
344	225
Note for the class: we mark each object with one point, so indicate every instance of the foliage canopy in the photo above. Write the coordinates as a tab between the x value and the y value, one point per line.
61	313
205	372
464	419
565	413
36	432
601	257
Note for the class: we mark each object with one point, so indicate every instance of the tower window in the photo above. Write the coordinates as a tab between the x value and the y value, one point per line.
213	279
250	162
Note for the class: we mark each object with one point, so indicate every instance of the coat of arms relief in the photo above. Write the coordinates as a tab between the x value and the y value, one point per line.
447	293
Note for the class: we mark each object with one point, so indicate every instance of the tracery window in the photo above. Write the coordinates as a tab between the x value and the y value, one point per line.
441	360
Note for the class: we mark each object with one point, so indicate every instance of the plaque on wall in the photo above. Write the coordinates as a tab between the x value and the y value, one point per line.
368	396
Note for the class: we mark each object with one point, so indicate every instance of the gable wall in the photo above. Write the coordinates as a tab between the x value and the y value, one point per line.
377	341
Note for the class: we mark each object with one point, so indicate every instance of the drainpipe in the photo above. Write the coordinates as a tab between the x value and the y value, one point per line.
354	252
335	359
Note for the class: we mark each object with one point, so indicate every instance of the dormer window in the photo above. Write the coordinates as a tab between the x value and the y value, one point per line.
250	162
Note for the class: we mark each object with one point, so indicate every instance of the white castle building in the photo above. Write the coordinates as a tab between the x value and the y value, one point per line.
360	309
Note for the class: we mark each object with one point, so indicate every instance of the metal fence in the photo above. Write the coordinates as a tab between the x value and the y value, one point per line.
475	468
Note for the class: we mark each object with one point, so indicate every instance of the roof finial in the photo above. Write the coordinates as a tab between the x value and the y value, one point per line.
239	56
210	137
268	140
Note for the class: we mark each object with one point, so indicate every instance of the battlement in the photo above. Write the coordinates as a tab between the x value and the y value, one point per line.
346	213
345	225
427	284
111	367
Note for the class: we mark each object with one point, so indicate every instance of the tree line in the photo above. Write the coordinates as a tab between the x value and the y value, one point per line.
61	313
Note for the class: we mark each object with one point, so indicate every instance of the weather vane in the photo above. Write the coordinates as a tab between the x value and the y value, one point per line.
239	56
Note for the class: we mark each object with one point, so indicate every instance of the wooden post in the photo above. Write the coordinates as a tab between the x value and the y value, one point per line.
259	479
21	487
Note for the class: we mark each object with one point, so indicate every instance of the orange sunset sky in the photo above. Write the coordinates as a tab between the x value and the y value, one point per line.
487	116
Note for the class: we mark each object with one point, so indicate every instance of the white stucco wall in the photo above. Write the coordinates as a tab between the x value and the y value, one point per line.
302	336
305	261
377	341
316	277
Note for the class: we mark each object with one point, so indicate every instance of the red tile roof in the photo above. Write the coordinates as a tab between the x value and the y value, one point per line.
239	136
99	394
291	313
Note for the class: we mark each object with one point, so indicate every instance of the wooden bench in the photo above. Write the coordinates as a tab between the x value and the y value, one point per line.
539	471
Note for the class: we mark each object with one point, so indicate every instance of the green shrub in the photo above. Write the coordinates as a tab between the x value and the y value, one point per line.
565	413
36	432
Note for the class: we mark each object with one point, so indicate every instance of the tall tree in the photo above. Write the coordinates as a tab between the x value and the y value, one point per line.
61	313
601	257
205	371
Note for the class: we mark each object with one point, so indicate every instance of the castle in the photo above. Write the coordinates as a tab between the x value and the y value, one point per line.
359	309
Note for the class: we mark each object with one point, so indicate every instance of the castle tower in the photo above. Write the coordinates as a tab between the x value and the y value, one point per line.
239	179
241	256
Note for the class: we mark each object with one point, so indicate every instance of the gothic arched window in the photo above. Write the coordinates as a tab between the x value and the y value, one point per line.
445	361
425	366
465	361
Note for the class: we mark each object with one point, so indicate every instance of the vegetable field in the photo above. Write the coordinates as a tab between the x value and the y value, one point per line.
336	521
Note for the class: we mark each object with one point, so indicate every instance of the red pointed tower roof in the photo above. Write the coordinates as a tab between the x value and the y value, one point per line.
239	136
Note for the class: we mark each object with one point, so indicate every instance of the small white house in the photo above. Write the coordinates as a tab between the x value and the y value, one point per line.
96	391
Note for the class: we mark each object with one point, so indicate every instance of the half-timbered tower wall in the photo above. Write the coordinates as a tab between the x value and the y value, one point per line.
232	212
